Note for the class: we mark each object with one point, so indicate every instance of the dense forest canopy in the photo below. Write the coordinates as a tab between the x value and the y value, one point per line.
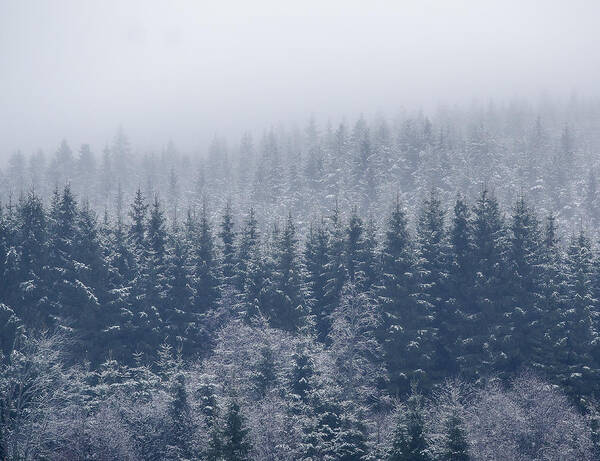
415	289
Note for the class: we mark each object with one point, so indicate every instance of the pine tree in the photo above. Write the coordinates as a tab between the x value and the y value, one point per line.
33	306
432	284
288	309
180	321
409	442
236	443
578	335
524	330
456	446
398	334
491	293
227	236
180	431
316	260
302	375
137	230
334	270
264	374
249	241
205	267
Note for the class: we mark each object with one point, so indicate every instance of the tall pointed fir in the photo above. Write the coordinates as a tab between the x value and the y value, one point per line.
206	281
490	290
248	242
236	441
180	430
524	332
228	250
574	350
180	321
399	330
334	270
288	309
75	303
432	286
316	259
408	440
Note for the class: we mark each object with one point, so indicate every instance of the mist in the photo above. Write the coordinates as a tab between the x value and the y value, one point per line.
186	71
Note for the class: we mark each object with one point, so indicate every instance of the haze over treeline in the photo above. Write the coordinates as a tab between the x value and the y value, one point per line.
265	231
190	70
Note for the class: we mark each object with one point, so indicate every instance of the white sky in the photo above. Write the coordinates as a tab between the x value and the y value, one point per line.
185	70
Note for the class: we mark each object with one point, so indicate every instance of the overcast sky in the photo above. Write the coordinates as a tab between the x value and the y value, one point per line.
187	70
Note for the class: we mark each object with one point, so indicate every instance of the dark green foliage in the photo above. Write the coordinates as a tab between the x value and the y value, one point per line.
400	333
236	444
409	443
227	236
457	446
288	308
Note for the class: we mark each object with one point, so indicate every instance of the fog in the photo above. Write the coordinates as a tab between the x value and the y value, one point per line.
189	70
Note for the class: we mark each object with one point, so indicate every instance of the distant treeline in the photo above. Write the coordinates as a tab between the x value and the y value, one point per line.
547	151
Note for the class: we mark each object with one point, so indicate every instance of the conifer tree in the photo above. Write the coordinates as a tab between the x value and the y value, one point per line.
249	241
457	446
432	284
236	443
316	260
227	236
578	335
409	442
524	328
180	320
137	230
335	270
288	308
205	267
402	347
491	293
181	428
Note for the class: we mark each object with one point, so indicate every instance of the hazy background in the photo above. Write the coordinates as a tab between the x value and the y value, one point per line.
188	70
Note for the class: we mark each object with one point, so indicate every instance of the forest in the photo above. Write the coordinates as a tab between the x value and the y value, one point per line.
418	288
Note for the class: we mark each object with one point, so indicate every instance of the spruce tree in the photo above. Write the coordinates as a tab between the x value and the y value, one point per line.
288	308
316	259
456	445
236	442
523	328
179	435
409	442
432	285
228	250
399	332
206	279
248	242
490	289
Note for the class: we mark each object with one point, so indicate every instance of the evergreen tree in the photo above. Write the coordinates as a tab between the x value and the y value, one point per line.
490	290
578	335
316	260
524	330
205	267
409	442
227	235
180	321
137	230
288	309
180	432
334	270
432	284
457	446
236	443
404	352
248	243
